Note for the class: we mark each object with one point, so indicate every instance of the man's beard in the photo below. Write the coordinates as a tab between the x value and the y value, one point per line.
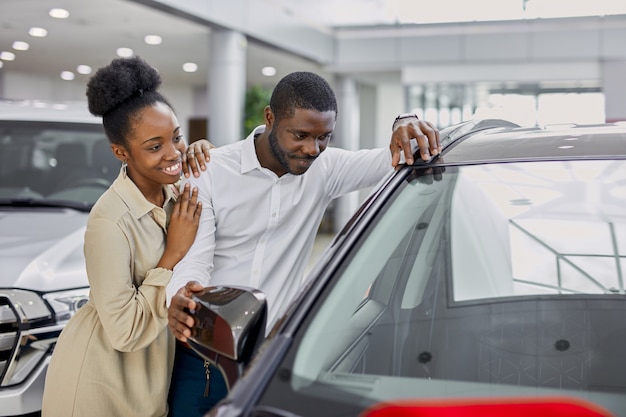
281	156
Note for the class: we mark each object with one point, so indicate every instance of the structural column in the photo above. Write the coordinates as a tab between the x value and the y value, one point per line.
346	136
226	86
614	89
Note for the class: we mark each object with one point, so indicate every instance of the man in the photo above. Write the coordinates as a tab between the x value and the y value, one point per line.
263	199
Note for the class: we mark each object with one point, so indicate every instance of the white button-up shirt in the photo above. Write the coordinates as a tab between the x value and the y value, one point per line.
258	229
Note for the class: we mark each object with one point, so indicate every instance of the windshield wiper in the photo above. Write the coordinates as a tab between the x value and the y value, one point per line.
37	202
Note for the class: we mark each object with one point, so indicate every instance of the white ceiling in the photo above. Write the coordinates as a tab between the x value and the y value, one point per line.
95	29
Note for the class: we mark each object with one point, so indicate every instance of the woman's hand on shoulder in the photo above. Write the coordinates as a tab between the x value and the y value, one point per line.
182	228
196	156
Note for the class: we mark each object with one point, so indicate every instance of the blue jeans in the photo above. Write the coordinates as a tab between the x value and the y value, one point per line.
189	382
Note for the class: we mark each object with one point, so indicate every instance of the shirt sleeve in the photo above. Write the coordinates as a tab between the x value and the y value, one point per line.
354	170
197	264
132	317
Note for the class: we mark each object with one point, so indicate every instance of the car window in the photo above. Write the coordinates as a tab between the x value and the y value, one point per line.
46	161
494	279
539	228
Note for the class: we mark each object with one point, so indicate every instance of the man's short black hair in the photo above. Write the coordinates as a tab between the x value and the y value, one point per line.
302	90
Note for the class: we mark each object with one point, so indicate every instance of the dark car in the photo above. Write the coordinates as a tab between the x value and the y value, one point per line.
492	275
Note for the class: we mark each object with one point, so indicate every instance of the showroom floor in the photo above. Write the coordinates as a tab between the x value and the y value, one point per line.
322	241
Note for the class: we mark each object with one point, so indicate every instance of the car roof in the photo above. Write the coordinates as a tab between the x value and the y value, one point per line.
498	140
29	110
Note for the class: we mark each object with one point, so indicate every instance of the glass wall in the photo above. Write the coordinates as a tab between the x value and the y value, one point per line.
530	105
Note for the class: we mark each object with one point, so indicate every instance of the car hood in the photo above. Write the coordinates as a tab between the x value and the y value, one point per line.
42	249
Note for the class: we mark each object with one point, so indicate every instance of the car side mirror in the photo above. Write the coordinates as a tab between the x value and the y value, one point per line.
229	327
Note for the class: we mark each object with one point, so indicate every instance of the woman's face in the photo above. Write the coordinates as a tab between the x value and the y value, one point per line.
155	147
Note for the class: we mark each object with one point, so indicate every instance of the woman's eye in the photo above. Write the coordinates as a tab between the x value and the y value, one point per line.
178	138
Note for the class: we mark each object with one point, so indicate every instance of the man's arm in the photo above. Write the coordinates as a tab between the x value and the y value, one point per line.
193	272
407	127
355	170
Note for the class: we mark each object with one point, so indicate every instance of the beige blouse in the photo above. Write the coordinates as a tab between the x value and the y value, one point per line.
115	356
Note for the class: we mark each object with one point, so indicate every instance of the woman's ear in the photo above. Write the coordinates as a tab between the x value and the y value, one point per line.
120	152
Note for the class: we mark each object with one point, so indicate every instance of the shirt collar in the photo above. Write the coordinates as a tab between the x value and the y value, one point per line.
249	159
137	204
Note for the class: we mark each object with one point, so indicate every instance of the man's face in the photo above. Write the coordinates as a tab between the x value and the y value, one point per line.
297	141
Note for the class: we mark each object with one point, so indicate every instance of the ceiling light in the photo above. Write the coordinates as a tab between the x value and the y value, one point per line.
153	39
67	75
7	56
124	52
59	13
21	46
1	64
83	69
190	67
38	32
268	71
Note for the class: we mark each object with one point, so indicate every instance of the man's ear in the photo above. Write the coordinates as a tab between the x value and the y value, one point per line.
120	152
268	117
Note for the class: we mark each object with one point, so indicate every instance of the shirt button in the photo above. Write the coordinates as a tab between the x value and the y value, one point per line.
274	214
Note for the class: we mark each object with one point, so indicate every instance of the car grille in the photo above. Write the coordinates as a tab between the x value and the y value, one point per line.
27	334
8	335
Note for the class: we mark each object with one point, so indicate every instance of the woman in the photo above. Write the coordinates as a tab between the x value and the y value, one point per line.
115	356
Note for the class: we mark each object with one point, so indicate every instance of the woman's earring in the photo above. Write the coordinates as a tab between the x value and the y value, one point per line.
124	167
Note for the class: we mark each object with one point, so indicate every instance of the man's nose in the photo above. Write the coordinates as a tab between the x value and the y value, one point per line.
312	147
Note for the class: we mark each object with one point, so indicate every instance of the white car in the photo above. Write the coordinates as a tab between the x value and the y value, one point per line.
55	161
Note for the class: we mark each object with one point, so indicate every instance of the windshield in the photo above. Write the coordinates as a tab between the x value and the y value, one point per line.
54	164
489	280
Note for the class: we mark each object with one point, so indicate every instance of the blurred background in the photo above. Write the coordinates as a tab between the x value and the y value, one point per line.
534	62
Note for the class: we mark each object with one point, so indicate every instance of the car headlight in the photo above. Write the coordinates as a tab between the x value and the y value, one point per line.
29	326
66	303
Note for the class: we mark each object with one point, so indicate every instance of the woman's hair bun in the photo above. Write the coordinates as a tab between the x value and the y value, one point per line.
119	81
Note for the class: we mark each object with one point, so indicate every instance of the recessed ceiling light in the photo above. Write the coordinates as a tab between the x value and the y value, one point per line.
190	67
38	32
124	52
59	13
7	56
21	46
83	69
153	39
67	75
268	71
